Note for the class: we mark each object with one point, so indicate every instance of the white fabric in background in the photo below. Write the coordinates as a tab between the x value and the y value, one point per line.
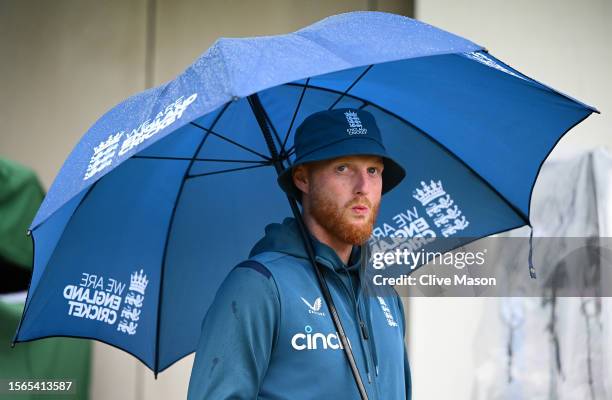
571	198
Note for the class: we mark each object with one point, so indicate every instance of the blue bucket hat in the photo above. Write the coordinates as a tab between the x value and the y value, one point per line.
336	133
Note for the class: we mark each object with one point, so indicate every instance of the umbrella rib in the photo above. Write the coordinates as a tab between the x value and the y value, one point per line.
297	108
202	159
227	170
451	153
170	224
351	86
229	140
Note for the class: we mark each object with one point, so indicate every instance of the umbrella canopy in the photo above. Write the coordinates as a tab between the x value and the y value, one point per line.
168	190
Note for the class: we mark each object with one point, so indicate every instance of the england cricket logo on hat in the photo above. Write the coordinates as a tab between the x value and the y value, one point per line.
355	127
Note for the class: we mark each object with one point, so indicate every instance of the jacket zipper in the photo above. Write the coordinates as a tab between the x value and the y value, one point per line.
361	326
366	336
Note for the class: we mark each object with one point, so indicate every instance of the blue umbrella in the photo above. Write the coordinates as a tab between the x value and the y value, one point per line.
168	190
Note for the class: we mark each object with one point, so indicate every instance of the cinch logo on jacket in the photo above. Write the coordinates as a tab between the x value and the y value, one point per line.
314	341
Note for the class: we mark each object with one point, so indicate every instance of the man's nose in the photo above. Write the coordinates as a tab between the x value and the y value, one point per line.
362	182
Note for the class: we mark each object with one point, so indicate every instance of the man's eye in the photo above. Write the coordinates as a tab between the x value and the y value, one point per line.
341	168
373	170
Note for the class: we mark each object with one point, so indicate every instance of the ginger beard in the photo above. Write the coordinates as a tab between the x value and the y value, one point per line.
337	220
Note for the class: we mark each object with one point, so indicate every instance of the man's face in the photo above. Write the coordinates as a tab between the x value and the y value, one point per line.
343	195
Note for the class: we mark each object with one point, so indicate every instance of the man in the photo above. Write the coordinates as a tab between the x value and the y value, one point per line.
268	333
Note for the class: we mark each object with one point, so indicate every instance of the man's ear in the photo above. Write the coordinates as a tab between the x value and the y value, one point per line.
300	178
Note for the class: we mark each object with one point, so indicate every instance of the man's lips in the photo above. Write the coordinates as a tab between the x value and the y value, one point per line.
360	209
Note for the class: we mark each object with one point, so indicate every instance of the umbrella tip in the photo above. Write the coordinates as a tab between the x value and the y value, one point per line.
28	232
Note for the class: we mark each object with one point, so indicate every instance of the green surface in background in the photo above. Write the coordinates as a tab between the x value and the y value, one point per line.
20	197
45	359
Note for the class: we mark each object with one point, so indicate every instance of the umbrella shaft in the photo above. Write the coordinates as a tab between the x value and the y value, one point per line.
260	115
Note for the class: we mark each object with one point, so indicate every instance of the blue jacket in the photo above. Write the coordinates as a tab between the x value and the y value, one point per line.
268	333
